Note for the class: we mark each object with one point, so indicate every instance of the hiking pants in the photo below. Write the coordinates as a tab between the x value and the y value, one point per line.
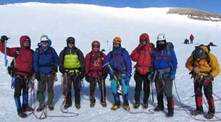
93	83
20	85
142	83
46	81
208	92
68	82
124	83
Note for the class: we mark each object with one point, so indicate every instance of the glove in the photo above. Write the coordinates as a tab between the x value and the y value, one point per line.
4	38
37	76
172	74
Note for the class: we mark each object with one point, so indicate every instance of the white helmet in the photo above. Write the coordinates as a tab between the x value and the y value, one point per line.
44	38
161	37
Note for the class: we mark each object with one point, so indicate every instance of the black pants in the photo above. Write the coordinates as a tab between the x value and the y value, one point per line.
200	84
93	83
142	82
20	86
69	82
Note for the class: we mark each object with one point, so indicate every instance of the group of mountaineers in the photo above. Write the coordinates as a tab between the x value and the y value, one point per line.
154	63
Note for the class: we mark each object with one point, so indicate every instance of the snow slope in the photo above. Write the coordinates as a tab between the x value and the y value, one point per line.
89	22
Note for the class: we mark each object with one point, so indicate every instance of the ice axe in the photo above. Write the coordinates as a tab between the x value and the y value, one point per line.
119	88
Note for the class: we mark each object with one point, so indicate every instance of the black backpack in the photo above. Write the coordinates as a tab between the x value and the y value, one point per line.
200	53
170	46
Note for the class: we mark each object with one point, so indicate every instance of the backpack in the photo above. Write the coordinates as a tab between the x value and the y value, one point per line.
164	59
200	53
11	67
170	46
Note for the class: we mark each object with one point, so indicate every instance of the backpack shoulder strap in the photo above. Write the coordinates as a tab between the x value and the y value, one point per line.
51	49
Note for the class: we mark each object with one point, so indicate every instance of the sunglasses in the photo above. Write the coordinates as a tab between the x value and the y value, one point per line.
44	43
71	42
161	42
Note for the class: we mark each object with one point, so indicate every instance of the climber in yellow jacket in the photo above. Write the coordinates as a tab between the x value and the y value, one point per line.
204	67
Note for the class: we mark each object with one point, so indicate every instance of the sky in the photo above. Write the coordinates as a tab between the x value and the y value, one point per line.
208	5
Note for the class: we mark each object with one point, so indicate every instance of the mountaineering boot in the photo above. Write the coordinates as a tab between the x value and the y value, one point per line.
209	115
115	107
67	105
40	107
22	114
78	106
27	108
145	105
103	103
159	108
126	107
92	104
160	104
197	111
136	105
170	106
51	107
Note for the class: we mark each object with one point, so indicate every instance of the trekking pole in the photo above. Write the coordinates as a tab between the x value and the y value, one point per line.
116	80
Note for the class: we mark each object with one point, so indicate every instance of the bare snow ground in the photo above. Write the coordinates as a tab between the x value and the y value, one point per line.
87	23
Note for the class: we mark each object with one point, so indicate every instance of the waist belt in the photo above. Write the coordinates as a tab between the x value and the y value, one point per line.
162	71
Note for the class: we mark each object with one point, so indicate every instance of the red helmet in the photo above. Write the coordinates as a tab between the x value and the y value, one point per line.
24	39
144	37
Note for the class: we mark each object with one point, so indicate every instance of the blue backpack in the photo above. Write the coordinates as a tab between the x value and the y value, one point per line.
164	59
